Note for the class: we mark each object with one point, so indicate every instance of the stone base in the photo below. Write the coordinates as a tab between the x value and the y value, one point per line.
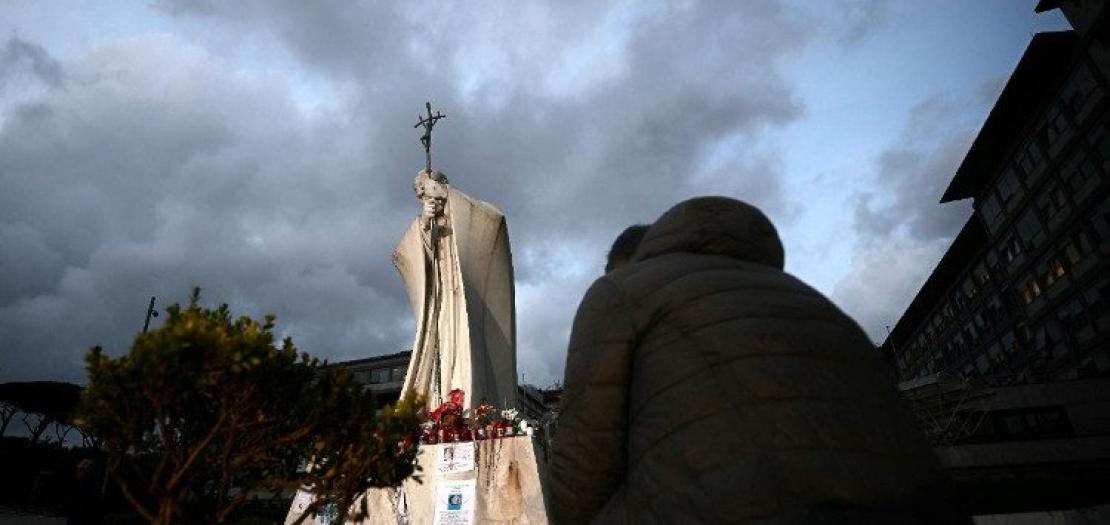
508	487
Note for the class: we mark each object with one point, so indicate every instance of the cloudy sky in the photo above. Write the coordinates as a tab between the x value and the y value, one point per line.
264	150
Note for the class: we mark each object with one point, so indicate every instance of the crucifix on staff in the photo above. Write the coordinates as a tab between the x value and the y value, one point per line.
428	122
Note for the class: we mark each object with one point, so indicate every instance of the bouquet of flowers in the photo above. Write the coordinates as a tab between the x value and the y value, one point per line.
450	422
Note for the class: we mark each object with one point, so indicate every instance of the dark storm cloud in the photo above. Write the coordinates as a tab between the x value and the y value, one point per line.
20	54
915	179
142	180
164	165
903	231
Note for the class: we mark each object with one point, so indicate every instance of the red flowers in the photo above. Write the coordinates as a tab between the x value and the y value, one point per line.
457	397
450	422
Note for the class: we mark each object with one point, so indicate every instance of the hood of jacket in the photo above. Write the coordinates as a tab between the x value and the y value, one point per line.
714	226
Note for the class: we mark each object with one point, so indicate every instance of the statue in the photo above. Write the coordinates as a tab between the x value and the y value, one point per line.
455	261
457	268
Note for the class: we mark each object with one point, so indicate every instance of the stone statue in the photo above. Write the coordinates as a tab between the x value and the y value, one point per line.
457	268
458	272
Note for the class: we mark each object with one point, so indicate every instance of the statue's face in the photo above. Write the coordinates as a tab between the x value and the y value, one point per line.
432	192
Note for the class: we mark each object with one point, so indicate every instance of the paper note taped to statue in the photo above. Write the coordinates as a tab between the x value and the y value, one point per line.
301	501
456	457
455	502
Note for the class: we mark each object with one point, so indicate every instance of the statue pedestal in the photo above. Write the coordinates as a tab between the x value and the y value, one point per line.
506	481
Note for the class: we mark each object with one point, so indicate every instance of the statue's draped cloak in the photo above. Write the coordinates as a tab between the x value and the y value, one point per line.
463	304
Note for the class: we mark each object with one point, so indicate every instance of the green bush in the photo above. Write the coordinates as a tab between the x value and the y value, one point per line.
208	409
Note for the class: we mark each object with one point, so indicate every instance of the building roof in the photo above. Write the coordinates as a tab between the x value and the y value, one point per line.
1046	5
958	257
374	359
1045	60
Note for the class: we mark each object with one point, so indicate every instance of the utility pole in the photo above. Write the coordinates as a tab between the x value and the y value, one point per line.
149	313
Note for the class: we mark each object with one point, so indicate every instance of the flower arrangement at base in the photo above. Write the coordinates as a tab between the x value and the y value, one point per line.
450	423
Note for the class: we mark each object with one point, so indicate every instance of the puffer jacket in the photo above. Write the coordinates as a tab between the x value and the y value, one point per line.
705	385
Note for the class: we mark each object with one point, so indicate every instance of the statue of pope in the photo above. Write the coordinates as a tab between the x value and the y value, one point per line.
458	272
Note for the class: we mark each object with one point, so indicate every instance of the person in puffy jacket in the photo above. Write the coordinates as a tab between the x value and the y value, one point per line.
705	385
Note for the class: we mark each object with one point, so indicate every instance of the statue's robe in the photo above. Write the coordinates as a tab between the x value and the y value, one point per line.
463	304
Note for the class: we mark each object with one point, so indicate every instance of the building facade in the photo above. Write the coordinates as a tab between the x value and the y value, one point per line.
1023	292
385	376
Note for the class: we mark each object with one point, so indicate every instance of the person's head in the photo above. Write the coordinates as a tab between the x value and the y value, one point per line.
714	226
625	245
431	188
84	469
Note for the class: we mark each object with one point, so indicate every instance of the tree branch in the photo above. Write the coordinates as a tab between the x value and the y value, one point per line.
196	451
139	507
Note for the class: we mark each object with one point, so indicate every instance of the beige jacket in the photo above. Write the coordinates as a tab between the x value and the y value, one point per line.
705	385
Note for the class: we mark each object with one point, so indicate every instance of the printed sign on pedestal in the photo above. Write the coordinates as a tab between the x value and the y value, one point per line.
301	501
455	502
324	516
456	457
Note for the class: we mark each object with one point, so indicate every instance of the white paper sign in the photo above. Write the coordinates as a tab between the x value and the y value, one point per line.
456	457
455	502
301	501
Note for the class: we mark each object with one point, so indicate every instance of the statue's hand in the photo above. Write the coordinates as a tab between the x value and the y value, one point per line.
428	211
427	215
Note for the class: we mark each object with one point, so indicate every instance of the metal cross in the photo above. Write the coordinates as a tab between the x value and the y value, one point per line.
428	122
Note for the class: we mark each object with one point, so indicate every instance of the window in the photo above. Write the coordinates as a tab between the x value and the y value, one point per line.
1053	271
981	364
969	288
991	211
992	261
971	334
1007	186
398	374
980	321
1079	89
1083	239
1099	139
1011	249
1030	158
1082	176
995	312
379	375
995	354
1037	338
1071	253
1010	343
980	274
1030	423
960	299
1057	125
1029	228
1076	322
1052	201
1100	219
1077	254
1098	297
1030	289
